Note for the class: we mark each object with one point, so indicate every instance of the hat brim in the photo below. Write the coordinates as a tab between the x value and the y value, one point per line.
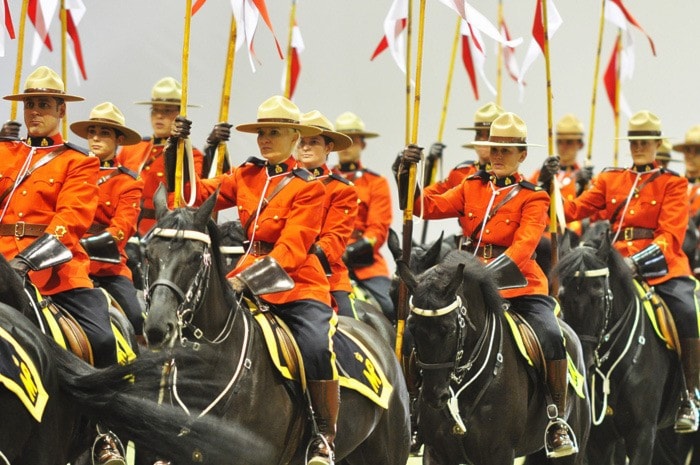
666	158
24	96
304	130
682	147
487	143
80	128
161	102
468	146
569	136
642	137
340	140
366	135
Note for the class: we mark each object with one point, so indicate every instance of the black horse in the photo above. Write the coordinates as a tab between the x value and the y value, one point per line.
634	380
190	300
232	240
480	401
51	400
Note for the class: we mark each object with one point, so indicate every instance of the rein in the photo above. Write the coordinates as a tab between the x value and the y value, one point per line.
191	301
632	310
458	371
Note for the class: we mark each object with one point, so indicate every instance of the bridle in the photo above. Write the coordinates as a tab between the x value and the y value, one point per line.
611	336
191	300
458	369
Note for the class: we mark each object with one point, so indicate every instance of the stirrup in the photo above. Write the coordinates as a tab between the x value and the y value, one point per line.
119	452
686	423
315	444
562	451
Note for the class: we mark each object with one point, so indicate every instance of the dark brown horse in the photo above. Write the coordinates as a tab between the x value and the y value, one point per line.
190	301
481	403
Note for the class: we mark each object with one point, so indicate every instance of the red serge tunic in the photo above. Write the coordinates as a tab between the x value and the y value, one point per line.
458	174
118	209
291	221
517	224
146	159
340	211
659	202
62	193
373	214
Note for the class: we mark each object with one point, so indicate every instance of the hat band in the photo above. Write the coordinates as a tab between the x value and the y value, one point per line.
507	140
479	124
278	120
41	90
171	100
643	133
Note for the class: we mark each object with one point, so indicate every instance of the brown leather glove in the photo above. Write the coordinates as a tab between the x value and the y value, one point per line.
550	167
412	154
10	130
220	133
180	128
20	266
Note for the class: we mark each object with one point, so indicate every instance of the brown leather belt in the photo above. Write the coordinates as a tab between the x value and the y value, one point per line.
96	228
632	234
260	247
21	229
486	251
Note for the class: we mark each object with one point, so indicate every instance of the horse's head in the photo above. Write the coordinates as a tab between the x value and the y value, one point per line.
589	276
449	300
178	254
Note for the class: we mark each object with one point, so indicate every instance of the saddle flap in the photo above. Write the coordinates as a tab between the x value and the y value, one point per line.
74	335
527	341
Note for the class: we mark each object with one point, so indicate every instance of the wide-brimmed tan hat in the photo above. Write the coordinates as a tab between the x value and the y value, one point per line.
643	125
351	124
692	139
316	119
508	130
167	91
44	82
107	114
278	111
664	151
484	116
569	127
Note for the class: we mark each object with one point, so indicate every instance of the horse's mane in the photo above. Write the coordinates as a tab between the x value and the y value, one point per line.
435	280
232	232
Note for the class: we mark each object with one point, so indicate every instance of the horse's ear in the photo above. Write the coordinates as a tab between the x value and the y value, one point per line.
160	201
394	244
603	251
201	217
404	272
456	280
432	255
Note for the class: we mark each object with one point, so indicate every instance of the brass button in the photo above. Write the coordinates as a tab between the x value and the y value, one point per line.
24	192
50	180
148	168
507	221
108	203
636	196
631	212
20	214
275	217
159	174
653	202
613	201
347	211
629	243
488	231
470	214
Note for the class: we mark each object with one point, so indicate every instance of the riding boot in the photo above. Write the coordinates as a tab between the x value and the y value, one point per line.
325	402
560	438
410	371
687	415
106	450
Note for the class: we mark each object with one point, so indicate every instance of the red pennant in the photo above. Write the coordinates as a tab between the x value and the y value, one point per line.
610	78
630	19
538	26
469	64
37	19
8	21
384	44
197	5
73	34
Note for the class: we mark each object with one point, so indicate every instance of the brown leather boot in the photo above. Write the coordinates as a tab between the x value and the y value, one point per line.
325	402
106	451
560	437
687	415
410	371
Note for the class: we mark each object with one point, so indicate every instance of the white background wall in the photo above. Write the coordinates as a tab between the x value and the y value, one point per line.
130	44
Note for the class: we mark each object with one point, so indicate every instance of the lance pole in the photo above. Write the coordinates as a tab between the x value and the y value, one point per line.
288	64
596	70
226	92
183	104
402	310
499	68
64	65
20	56
616	110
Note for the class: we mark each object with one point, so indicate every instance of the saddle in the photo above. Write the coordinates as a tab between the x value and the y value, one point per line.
659	315
357	367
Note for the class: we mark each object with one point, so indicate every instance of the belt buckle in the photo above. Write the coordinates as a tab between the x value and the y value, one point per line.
488	251
629	233
19	229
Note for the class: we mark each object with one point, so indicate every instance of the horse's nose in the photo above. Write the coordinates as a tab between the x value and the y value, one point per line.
158	335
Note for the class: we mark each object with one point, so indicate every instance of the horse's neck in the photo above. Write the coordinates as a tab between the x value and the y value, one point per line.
217	307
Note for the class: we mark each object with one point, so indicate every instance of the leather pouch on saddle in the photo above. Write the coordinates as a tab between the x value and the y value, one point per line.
102	248
45	252
266	276
650	262
506	273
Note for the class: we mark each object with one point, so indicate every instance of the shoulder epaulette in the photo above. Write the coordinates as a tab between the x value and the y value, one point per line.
611	168
255	161
77	148
671	172
338	177
303	174
126	170
464	164
530	186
